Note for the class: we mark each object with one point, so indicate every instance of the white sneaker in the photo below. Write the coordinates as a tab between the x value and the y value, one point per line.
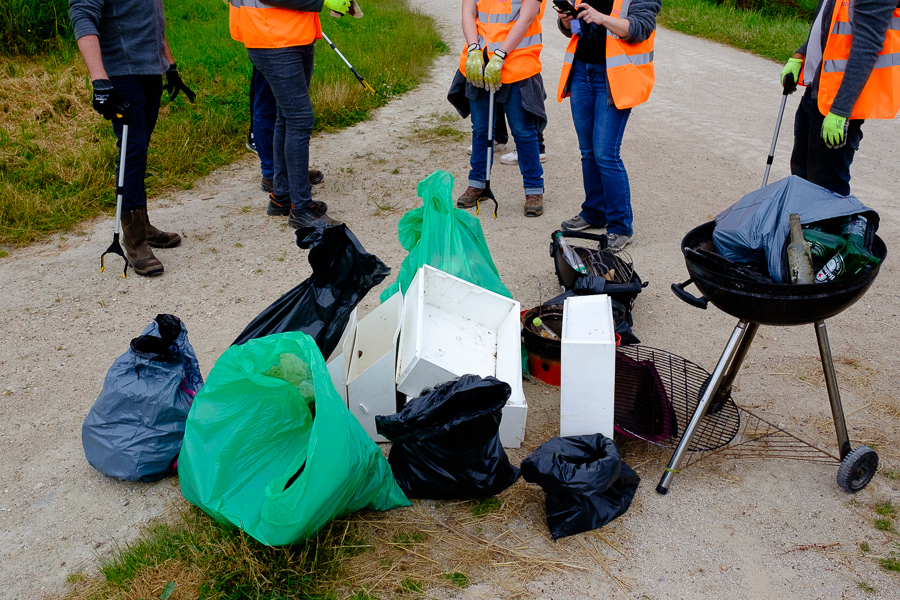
469	149
513	157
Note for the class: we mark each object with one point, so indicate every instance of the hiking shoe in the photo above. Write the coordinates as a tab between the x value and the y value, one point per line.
134	242
266	185
314	215
250	143
617	241
316	177
512	158
469	198
577	223
534	205
279	206
157	238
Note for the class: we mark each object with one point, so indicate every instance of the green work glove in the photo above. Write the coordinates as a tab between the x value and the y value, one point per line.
834	130
338	6
475	67
792	67
492	73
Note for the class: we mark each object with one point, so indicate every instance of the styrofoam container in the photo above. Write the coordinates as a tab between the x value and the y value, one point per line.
339	362
451	328
588	369
370	379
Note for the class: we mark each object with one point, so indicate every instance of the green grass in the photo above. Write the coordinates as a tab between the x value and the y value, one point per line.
33	26
885	509
767	28
207	560
486	506
892	474
891	563
57	157
460	580
884	525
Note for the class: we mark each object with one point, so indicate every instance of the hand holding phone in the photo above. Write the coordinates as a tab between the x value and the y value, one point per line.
565	7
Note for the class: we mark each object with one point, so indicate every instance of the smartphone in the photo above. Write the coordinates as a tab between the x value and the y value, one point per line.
565	7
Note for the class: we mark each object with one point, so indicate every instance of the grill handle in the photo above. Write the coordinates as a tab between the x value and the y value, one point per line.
678	290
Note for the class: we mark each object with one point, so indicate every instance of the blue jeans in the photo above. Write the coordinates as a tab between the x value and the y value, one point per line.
811	159
599	126
523	129
288	71
142	93
264	112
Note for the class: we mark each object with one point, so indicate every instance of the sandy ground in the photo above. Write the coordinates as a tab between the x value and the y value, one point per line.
729	528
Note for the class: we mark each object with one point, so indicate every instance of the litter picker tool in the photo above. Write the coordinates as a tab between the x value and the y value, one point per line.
486	192
116	247
349	66
789	87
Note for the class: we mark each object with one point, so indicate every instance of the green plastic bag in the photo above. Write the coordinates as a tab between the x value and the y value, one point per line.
445	237
271	448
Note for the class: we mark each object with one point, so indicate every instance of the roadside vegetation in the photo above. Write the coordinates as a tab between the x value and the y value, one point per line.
57	156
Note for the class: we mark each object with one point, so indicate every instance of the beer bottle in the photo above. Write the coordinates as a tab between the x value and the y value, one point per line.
570	255
822	246
799	256
852	258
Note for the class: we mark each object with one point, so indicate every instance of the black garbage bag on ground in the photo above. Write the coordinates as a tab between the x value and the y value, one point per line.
586	482
343	273
446	443
135	428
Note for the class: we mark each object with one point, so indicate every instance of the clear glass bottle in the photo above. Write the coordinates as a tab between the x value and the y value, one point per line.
570	255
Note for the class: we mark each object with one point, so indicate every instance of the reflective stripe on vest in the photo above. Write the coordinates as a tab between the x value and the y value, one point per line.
629	67
496	19
880	98
259	25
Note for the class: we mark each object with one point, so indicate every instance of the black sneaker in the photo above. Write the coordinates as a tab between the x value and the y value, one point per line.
251	143
314	215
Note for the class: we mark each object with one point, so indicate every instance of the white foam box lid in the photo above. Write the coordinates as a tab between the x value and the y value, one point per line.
339	362
588	366
451	328
370	379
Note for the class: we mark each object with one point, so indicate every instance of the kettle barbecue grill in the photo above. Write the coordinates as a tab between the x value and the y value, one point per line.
757	303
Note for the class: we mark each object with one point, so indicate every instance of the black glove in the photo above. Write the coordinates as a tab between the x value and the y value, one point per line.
107	100
174	84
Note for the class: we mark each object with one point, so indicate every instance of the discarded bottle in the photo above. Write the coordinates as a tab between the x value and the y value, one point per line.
799	255
543	330
852	257
570	255
822	246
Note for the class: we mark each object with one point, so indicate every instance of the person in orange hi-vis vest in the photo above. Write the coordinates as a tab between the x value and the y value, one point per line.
280	37
503	55
607	70
850	65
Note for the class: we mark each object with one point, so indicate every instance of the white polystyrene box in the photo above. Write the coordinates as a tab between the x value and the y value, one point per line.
370	380
339	362
588	366
451	328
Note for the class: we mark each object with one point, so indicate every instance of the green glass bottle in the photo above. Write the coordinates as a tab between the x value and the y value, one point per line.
852	258
822	246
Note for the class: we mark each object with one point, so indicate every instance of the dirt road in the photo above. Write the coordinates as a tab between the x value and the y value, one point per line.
745	528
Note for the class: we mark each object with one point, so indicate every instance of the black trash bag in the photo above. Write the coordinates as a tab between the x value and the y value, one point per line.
446	443
135	428
586	482
343	273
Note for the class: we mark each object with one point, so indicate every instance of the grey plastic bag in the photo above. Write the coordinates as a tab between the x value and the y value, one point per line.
754	229
134	430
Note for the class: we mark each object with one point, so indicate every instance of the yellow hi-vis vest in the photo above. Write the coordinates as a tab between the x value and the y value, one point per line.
629	67
258	25
880	98
495	20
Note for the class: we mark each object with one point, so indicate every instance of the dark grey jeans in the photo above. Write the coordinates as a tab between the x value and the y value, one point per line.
288	71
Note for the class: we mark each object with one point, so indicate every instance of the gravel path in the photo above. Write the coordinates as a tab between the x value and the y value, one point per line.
729	528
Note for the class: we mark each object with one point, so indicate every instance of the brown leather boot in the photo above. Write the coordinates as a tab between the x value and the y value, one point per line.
134	240
157	238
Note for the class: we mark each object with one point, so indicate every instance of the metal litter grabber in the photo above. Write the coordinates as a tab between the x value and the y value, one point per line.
486	192
116	247
349	66
789	87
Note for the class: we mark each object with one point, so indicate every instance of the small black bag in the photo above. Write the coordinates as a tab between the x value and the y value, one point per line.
446	443
586	482
343	273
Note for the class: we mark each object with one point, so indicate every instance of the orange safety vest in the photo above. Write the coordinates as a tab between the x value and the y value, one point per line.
629	67
495	20
258	25
880	98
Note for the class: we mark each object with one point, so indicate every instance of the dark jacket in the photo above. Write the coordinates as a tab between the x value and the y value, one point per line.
531	90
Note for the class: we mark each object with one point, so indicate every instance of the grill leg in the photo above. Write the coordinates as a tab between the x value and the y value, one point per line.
834	395
724	374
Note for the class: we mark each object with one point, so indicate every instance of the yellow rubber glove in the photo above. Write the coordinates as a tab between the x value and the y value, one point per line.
492	74
792	67
338	6
834	130
475	67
